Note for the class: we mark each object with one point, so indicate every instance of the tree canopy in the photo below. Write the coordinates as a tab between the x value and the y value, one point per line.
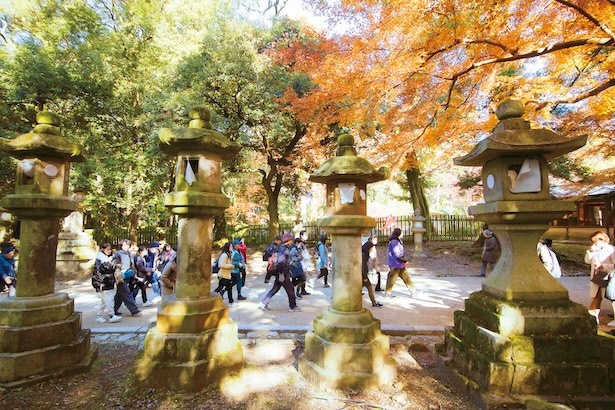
428	74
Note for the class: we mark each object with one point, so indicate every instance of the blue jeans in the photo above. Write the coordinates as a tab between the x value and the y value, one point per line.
153	279
236	277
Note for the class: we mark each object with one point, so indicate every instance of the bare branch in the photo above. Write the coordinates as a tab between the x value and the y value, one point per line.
534	53
588	16
589	93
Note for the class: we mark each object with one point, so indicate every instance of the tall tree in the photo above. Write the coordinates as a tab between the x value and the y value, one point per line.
234	75
428	73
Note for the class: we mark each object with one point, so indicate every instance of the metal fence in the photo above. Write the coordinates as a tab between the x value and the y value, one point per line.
442	228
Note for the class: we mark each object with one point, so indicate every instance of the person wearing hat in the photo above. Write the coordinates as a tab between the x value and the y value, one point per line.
323	259
268	256
7	269
238	265
283	279
491	251
397	264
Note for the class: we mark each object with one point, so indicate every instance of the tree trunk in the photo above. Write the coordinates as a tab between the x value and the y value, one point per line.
274	216
417	195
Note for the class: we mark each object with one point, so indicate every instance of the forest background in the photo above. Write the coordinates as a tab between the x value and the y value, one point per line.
415	82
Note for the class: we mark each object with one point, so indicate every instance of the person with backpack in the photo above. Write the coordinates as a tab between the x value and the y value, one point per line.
224	273
282	279
367	250
268	256
103	279
397	264
323	259
238	264
297	274
124	270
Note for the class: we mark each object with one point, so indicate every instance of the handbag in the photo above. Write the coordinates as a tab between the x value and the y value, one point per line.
128	274
600	278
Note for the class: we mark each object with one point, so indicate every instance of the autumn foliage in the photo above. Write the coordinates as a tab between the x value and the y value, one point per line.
409	76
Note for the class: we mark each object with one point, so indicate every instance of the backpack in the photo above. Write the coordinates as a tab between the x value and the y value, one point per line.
272	261
268	252
215	268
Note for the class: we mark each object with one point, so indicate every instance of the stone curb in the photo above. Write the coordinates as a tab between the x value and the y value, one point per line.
260	329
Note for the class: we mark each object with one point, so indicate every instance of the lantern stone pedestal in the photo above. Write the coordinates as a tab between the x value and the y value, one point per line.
40	332
194	343
347	350
521	337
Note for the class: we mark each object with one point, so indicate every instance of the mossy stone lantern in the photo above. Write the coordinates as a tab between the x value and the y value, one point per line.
194	343
521	335
346	348
40	333
517	202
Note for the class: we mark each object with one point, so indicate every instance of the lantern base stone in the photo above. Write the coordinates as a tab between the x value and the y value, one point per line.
41	338
193	345
507	352
347	351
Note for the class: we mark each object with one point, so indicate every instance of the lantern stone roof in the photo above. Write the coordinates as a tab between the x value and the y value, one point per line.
199	136
347	165
45	140
514	136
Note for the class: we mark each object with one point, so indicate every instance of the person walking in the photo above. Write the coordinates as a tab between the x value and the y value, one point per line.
297	273
140	279
549	258
323	259
491	251
124	268
7	269
238	264
243	249
283	276
103	279
269	257
601	257
365	257
369	251
397	264
224	273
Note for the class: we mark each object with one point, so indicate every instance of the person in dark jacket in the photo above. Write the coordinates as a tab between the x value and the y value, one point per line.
397	264
268	256
491	251
366	249
103	279
283	277
143	273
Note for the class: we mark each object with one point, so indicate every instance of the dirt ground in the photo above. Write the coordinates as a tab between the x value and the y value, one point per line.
269	379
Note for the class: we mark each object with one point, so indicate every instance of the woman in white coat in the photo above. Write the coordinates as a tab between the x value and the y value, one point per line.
601	256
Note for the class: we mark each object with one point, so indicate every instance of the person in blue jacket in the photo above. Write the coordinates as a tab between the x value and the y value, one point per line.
7	269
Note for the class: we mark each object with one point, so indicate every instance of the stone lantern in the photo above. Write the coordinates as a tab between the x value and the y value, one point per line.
418	229
346	348
194	343
40	333
521	335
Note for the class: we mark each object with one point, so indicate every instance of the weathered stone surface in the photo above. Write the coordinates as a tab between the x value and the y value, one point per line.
347	348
